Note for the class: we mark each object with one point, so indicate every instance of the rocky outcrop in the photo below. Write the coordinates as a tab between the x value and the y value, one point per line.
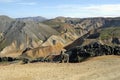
7	59
80	53
116	41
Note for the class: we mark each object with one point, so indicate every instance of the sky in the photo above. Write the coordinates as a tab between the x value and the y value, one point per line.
55	8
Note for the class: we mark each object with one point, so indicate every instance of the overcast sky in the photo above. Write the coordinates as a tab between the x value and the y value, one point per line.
54	8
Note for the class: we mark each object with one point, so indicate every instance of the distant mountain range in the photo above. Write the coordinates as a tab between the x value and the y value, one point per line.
36	19
49	36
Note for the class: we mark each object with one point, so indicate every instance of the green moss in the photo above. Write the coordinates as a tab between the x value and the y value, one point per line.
56	25
110	32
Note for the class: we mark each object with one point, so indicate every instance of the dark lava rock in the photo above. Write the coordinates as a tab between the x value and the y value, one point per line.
80	53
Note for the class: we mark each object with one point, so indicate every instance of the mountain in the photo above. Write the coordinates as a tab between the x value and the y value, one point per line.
85	28
109	36
5	22
35	19
84	23
16	35
50	36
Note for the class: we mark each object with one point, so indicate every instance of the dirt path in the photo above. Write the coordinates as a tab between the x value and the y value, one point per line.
99	68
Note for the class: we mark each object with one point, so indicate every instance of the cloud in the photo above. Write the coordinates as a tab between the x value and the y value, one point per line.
27	3
105	7
7	1
104	10
20	2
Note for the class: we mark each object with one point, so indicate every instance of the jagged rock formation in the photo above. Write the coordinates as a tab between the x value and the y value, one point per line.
80	53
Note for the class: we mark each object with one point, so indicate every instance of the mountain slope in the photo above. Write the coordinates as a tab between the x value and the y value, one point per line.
17	35
82	27
108	35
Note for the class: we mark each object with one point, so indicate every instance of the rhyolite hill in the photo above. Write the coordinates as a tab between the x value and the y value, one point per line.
50	36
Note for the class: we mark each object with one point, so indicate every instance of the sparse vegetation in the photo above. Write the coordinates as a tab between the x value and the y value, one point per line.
108	33
99	68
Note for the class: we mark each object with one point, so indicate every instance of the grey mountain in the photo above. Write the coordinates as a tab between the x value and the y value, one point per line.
36	19
22	33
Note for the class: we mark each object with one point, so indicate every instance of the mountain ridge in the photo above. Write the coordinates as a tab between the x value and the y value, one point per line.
19	34
36	19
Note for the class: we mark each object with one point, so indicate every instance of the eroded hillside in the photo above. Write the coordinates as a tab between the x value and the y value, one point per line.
17	35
